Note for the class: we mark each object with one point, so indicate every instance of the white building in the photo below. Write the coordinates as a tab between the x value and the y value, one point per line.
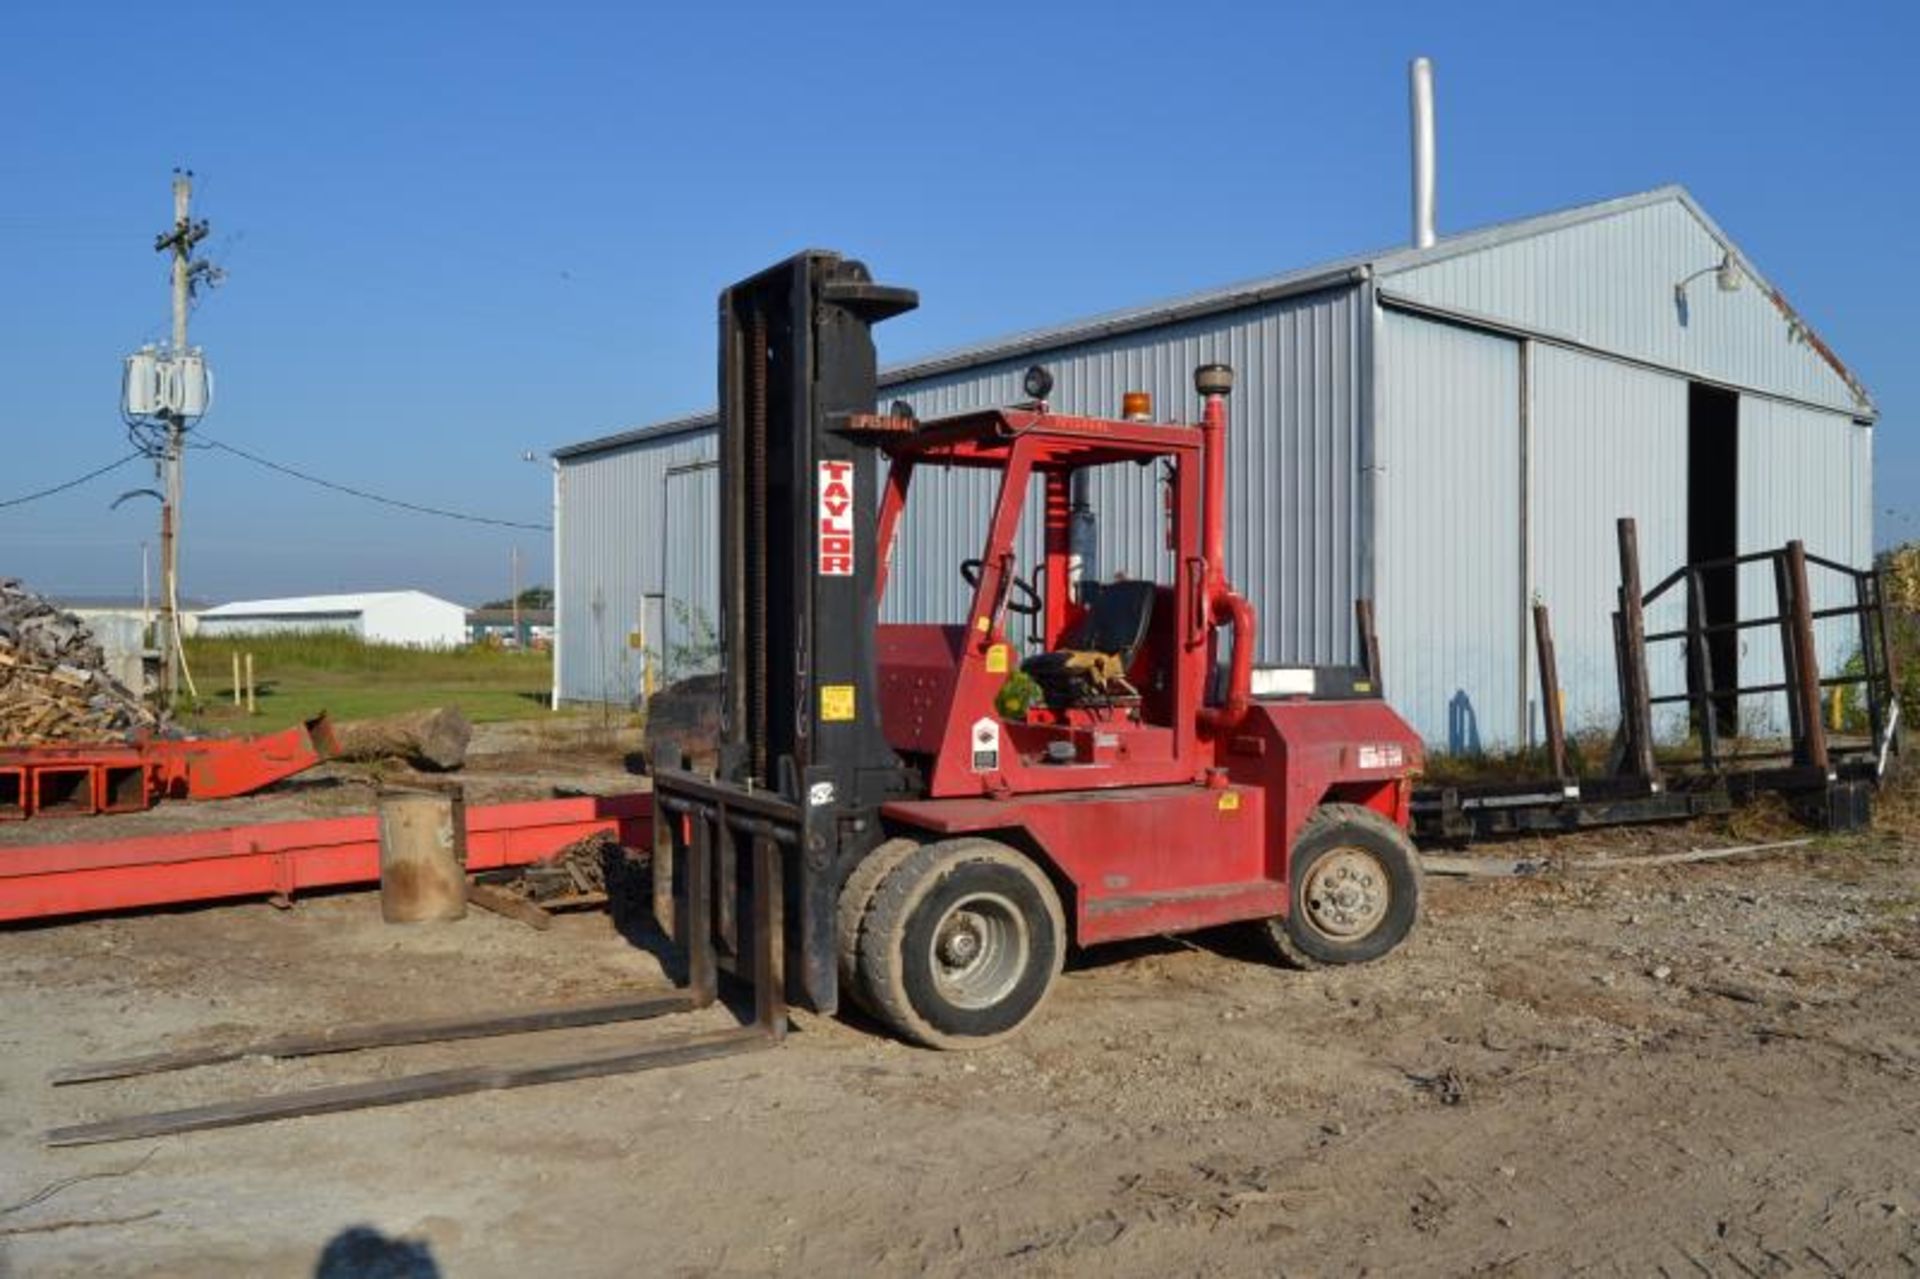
413	618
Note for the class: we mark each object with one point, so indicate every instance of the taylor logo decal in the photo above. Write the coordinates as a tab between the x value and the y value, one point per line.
836	519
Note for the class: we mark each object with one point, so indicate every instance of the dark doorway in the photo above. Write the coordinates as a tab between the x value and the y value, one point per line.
1713	532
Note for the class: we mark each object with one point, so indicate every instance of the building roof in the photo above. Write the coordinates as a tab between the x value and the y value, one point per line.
1327	275
317	605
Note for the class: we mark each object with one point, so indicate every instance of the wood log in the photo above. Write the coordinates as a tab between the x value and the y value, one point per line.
683	724
423	855
435	738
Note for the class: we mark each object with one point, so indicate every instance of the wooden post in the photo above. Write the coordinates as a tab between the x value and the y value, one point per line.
1700	656
1551	711
1866	597
1805	673
236	677
251	708
1789	660
423	856
1636	711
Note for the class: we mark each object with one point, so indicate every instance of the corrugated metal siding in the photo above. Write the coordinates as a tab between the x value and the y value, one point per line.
1293	540
1860	493
1447	549
1609	283
1607	441
216	627
1293	536
610	556
1803	474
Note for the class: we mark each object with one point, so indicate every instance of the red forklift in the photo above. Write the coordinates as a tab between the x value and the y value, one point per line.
953	814
906	810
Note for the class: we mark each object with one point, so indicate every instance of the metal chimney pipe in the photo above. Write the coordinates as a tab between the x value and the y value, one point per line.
1420	100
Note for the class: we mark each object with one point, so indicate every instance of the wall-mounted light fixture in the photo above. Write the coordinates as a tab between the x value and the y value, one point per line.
1726	276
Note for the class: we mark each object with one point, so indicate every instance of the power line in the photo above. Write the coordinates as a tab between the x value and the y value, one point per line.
348	489
73	483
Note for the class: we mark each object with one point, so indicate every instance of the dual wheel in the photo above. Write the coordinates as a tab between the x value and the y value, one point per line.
953	944
956	944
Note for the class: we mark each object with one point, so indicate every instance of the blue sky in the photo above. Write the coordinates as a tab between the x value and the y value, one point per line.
456	233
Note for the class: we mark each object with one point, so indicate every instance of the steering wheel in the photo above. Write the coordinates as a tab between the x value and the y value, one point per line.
1031	606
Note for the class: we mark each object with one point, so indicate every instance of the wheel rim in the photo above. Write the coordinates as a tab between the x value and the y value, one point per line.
980	950
1346	894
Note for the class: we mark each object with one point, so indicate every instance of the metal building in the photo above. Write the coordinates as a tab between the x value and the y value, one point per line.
1450	430
412	618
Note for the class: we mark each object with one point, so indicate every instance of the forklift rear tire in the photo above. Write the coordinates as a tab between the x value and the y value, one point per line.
961	944
856	897
1353	889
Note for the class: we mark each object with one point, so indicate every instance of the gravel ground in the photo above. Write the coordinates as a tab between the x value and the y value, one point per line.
1698	1069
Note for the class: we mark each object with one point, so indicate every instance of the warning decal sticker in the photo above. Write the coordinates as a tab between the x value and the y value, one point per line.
836	703
986	745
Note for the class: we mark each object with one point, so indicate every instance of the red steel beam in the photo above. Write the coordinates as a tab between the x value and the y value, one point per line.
190	768
217	768
278	859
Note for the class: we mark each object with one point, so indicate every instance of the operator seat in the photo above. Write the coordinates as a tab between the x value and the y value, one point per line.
1089	668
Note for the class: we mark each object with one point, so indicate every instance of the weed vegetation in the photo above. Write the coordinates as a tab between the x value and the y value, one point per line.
299	674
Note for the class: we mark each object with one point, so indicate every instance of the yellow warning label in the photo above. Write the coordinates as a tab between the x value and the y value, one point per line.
836	702
982	624
997	659
1229	801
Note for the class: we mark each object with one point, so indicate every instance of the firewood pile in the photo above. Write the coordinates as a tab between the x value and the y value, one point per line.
575	873
575	876
54	686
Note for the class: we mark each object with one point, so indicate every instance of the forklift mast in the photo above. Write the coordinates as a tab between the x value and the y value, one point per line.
797	518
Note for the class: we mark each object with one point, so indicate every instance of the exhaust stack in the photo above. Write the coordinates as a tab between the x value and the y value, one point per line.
1420	101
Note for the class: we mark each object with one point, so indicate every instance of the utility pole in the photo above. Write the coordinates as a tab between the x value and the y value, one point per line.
179	241
513	559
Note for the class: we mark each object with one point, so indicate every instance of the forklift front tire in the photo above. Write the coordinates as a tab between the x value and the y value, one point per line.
856	898
1353	889
961	944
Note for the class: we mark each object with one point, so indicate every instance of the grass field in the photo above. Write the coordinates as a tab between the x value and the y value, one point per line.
298	676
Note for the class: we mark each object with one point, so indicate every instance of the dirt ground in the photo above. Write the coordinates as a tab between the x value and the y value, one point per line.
1707	1069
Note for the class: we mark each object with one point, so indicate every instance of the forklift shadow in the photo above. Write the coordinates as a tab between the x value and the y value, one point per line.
628	876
